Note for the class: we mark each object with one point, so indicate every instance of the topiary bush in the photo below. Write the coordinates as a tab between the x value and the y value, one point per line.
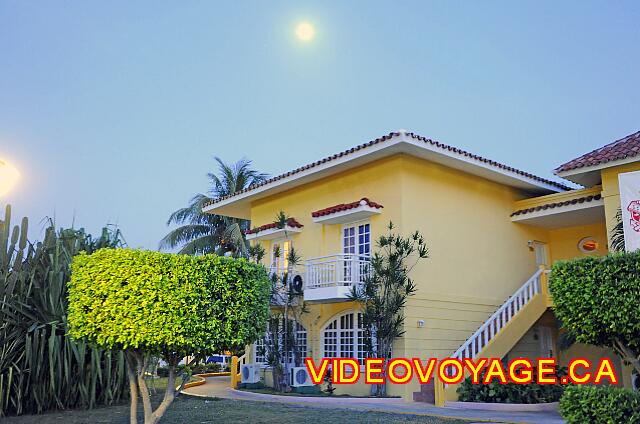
168	306
495	392
597	301
600	405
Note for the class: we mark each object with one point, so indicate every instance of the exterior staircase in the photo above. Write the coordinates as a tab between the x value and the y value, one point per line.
498	334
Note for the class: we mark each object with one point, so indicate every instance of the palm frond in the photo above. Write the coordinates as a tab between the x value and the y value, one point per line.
224	234
617	233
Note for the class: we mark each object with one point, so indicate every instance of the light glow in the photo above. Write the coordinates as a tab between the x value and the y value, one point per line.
305	31
9	176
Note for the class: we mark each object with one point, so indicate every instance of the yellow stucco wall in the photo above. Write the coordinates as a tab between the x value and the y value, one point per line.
478	257
564	241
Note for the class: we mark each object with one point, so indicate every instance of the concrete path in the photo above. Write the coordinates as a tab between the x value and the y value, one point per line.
219	387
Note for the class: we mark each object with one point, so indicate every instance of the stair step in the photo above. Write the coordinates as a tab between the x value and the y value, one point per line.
421	397
426	394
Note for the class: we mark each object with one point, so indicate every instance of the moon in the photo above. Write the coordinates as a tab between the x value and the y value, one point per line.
305	31
9	176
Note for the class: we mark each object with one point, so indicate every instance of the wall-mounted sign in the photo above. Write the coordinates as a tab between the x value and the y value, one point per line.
630	206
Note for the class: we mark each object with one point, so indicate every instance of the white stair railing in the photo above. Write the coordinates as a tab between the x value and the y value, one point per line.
491	327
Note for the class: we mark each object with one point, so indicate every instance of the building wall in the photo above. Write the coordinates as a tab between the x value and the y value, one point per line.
564	241
379	182
478	257
611	191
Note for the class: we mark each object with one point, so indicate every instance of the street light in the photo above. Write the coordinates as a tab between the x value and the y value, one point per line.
9	176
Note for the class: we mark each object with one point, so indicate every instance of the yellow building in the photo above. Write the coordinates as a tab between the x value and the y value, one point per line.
491	230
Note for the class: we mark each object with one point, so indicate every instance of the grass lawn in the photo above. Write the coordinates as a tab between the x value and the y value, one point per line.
192	410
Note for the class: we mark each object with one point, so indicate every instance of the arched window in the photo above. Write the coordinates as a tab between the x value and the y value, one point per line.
263	345
344	337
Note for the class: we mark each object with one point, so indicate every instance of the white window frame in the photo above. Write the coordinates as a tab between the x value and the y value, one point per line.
358	333
355	225
301	330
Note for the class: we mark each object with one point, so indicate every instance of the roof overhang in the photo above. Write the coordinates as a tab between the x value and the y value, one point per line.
565	216
239	205
274	233
350	215
589	176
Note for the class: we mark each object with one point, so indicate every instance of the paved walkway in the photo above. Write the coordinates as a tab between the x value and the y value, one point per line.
219	387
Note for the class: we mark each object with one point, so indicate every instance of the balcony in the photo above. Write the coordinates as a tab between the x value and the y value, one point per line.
331	278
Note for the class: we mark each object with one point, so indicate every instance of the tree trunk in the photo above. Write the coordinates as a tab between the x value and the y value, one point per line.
136	367
628	355
144	391
384	352
133	389
169	396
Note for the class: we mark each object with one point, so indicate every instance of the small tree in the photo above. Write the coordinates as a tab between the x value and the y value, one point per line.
280	341
597	301
172	306
385	290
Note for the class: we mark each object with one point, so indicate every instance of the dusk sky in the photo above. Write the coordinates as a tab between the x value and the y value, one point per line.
113	111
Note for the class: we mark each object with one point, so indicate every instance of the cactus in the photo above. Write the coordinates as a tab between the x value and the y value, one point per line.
40	367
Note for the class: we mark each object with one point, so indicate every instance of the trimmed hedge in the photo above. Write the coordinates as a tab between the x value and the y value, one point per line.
597	298
161	302
600	405
495	392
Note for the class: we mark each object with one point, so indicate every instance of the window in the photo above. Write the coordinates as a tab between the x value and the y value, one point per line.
344	337
263	344
356	239
261	354
356	247
280	262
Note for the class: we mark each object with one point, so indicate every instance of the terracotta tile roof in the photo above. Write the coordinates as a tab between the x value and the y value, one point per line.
384	139
626	147
558	204
291	222
346	206
489	161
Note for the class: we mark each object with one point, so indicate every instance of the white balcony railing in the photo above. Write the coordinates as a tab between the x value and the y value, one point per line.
333	276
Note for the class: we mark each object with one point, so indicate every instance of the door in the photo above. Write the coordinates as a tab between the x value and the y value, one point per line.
542	253
280	255
356	249
546	342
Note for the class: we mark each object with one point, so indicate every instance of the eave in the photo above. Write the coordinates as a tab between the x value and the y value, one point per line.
239	204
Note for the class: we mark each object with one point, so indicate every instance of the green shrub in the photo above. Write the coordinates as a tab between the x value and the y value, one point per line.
600	405
42	369
597	301
510	392
158	302
166	306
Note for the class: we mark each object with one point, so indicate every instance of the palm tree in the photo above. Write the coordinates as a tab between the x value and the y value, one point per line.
617	233
200	232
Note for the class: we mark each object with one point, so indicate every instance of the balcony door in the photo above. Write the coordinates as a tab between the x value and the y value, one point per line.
356	248
280	255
